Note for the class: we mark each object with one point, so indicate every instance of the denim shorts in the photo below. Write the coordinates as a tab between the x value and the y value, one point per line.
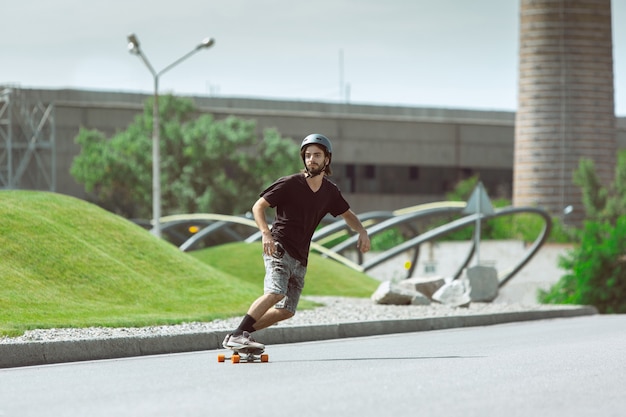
284	275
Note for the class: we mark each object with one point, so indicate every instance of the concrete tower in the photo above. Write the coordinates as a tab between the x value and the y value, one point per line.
565	101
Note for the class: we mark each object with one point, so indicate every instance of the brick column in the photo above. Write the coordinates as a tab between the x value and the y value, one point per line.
565	101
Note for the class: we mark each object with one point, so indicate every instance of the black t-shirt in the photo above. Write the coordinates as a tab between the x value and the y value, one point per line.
299	211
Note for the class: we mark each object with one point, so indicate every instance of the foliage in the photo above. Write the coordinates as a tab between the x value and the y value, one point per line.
463	189
597	267
380	242
597	270
207	165
602	203
526	227
386	239
594	195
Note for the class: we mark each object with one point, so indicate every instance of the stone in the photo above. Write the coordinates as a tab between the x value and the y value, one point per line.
420	300
483	281
390	293
424	285
453	293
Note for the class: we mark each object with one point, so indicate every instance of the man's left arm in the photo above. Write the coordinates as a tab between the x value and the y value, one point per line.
363	243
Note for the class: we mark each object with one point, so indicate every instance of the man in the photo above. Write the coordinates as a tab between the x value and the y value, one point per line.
301	201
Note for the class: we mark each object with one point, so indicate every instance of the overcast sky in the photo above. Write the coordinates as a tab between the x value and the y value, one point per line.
443	53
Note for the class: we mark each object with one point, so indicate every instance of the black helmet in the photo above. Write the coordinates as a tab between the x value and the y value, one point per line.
317	139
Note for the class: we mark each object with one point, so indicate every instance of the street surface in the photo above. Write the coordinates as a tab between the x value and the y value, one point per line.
563	367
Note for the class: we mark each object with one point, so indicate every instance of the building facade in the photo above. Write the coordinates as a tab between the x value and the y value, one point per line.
385	157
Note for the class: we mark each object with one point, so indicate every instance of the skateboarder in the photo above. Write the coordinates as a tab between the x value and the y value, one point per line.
301	201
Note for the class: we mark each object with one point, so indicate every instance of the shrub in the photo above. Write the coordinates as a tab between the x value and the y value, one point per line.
387	239
597	269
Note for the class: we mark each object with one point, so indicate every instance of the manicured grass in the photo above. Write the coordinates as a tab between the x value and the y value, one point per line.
324	276
68	263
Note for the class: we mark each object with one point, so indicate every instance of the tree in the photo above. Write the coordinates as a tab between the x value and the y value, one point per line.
602	203
597	270
597	267
207	165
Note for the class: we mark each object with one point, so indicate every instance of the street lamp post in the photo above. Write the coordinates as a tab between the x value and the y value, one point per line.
133	48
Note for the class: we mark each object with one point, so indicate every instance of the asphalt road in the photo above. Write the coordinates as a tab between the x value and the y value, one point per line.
561	367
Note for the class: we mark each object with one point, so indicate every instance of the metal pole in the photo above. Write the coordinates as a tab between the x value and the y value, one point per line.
478	214
156	162
133	47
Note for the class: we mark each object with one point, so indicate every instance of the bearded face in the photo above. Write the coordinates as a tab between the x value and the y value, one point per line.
315	159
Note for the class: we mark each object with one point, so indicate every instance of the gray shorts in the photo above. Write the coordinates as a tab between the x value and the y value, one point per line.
284	276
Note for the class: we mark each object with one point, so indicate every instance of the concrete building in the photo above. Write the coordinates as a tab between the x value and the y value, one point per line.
385	157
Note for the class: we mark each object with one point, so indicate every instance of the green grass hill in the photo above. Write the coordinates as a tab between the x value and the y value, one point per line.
68	263
324	276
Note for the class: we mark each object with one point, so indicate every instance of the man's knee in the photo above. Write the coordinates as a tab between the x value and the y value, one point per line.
274	298
286	314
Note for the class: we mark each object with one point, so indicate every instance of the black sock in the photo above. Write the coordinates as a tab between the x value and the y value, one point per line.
246	325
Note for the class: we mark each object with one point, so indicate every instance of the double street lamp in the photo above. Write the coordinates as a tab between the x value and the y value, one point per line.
133	48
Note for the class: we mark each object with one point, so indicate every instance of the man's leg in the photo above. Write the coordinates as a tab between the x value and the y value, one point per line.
268	316
272	316
262	304
268	308
256	311
285	308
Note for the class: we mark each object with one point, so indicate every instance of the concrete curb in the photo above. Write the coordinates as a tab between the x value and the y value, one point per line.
45	353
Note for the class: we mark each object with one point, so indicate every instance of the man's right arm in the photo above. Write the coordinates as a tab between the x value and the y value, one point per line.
258	211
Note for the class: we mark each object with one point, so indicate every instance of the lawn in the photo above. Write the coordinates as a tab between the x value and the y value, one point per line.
68	263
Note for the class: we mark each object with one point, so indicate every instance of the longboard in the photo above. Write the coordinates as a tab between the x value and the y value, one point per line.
245	355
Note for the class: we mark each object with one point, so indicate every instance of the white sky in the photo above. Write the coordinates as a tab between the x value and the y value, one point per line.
436	53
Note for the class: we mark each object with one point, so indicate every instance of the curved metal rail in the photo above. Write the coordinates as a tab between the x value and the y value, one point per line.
376	222
503	277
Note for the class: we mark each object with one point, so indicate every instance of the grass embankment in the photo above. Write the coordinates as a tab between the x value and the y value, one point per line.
68	263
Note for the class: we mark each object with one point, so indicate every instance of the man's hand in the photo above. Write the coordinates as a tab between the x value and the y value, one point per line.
269	245
258	211
363	244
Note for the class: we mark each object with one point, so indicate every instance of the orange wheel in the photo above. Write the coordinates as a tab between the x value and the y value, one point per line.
265	357
235	359
221	357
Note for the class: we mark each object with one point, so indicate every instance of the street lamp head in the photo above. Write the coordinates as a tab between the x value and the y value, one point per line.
206	43
133	44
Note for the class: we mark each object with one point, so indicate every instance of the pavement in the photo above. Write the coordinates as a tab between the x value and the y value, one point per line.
51	352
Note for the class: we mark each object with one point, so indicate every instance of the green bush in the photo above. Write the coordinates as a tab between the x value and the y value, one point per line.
526	227
597	269
523	226
387	239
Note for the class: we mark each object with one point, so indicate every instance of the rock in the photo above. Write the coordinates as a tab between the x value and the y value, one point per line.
420	300
424	285
454	293
483	281
389	293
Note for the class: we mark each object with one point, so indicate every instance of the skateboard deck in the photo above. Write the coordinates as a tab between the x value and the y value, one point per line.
244	355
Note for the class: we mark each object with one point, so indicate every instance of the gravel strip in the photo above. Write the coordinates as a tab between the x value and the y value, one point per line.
334	310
